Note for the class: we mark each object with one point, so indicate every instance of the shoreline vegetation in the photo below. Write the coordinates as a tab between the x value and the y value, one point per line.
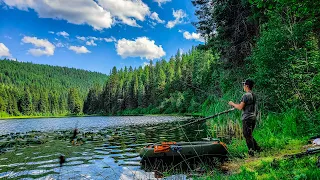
97	115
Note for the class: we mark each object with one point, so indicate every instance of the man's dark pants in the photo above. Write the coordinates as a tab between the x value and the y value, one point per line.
248	127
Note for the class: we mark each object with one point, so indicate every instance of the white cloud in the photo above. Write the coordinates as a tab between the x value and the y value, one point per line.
79	49
179	15
160	2
127	11
73	11
195	36
63	33
81	38
59	44
51	32
90	39
4	51
155	16
111	39
44	46
91	43
93	38
140	47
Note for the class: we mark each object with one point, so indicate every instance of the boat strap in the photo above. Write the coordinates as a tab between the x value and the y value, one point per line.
164	147
161	148
168	143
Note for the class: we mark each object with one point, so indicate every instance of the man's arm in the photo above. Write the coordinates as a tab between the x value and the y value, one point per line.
237	106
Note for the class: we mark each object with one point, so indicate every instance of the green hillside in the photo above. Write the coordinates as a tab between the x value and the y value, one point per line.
34	89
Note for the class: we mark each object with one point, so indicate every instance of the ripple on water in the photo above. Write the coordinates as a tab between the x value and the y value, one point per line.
134	145
73	163
102	152
78	158
49	166
7	174
45	156
130	164
130	155
42	162
112	150
129	150
116	151
137	159
38	172
113	147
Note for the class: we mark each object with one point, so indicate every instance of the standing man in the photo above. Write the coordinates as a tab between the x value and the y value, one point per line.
249	109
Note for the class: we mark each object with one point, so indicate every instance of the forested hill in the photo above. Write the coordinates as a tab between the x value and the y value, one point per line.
23	74
34	89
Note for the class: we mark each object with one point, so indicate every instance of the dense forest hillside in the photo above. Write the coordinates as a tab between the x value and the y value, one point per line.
33	89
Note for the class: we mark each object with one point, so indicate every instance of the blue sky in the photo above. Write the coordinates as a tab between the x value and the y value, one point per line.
95	34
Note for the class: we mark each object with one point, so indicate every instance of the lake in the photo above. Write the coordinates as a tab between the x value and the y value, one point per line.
106	148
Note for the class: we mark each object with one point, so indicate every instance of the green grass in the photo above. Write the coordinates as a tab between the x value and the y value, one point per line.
271	168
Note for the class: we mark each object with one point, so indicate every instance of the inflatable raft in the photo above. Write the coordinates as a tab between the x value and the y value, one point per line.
185	149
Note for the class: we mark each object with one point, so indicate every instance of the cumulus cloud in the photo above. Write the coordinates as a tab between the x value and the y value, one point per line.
51	32
63	33
140	47
90	39
155	16
111	39
73	11
4	51
127	11
60	44
81	38
193	36
79	49
160	2
91	43
93	38
44	47
179	15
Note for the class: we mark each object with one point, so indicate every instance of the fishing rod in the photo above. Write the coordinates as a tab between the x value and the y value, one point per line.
309	151
203	119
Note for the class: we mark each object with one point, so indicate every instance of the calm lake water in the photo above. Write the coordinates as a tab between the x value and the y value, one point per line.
110	148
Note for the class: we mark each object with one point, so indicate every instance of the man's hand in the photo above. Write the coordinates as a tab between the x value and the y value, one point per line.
231	103
237	106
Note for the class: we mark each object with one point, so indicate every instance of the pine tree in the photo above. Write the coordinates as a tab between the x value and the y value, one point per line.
26	103
74	103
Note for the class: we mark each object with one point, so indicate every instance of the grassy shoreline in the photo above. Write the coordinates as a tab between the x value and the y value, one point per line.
271	164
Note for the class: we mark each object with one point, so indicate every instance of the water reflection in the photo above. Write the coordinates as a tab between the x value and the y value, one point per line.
106	153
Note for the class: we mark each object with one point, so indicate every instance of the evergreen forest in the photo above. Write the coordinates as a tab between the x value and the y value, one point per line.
28	89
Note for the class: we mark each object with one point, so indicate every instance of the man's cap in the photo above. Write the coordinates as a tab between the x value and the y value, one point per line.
248	82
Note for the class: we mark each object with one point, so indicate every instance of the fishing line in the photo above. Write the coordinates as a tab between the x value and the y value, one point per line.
189	141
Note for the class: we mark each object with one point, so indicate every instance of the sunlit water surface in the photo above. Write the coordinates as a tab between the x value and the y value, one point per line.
110	148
